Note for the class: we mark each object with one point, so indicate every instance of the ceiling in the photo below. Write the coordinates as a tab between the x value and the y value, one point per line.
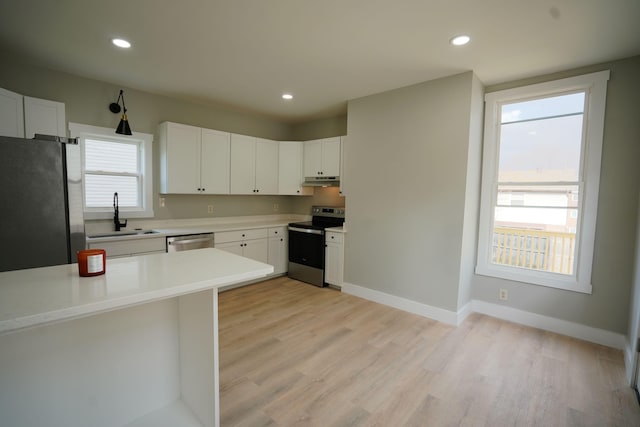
243	54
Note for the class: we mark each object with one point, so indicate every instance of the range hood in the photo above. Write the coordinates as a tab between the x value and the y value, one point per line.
321	181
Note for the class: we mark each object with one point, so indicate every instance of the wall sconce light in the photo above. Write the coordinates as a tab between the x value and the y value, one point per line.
123	127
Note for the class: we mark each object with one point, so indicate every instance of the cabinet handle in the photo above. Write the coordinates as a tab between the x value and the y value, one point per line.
275	232
203	189
297	191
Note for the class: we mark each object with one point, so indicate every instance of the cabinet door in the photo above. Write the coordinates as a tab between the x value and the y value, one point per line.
266	166
11	114
334	258
257	249
243	164
331	156
333	264
233	247
278	255
214	161
313	158
44	117
180	158
290	169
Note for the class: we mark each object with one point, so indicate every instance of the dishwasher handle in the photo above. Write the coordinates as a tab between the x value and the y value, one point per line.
185	243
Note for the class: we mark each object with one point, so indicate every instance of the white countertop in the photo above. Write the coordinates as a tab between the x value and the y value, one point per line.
42	295
336	229
164	231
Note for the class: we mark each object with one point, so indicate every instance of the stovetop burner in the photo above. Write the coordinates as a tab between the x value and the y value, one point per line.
323	217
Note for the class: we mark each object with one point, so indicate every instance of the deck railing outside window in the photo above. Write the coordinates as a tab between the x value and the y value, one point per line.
533	249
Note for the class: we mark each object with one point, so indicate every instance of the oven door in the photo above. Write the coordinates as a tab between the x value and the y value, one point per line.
306	247
306	255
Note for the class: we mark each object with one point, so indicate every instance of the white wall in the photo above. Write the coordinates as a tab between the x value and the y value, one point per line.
631	348
407	172
472	194
607	308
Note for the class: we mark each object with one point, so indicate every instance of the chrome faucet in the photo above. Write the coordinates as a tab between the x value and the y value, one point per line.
116	218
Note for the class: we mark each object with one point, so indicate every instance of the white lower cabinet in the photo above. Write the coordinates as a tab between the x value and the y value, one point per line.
334	258
268	245
130	247
278	249
252	243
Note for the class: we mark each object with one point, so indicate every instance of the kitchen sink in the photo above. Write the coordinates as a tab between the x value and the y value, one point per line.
124	233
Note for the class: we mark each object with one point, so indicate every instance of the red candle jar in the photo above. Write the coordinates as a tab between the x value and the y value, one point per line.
92	262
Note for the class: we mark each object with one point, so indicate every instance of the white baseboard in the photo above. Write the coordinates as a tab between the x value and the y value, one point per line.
436	313
551	324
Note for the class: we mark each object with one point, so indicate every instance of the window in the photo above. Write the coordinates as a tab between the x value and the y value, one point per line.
541	169
115	163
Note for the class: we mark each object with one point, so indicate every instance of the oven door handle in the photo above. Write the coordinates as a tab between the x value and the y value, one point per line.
306	230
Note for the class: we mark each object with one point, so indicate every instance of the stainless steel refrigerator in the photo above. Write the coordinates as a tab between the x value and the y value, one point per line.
41	219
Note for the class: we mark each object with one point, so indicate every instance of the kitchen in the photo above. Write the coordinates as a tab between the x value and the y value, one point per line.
401	182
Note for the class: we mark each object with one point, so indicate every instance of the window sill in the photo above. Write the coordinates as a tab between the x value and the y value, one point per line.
530	277
124	214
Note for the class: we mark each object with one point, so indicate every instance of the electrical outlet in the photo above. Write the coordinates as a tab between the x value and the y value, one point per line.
504	295
276	207
161	202
209	208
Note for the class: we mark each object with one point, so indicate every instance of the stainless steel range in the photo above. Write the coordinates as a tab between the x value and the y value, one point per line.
306	244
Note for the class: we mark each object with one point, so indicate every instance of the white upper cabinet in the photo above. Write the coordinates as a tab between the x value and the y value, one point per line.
193	160
24	116
215	153
290	171
254	165
11	114
243	164
267	166
44	117
322	157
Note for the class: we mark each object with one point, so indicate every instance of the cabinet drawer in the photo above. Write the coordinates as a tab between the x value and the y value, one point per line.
131	246
277	231
234	236
334	237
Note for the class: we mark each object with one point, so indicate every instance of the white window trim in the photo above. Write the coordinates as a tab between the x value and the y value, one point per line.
580	281
81	132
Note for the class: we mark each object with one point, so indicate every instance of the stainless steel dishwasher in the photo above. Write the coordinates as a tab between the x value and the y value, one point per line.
187	242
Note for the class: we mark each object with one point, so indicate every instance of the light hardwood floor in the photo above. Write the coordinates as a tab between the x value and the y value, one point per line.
292	354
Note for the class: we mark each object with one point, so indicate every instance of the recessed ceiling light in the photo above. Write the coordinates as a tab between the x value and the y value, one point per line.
287	96
121	43
460	40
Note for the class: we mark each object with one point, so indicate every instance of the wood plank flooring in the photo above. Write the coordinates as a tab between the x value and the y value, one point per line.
292	354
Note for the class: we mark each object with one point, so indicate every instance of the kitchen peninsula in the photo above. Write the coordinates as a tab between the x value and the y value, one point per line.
135	346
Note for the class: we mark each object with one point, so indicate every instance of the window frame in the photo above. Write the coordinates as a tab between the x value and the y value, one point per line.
595	86
145	144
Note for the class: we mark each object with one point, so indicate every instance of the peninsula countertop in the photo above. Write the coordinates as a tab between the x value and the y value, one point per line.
43	295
